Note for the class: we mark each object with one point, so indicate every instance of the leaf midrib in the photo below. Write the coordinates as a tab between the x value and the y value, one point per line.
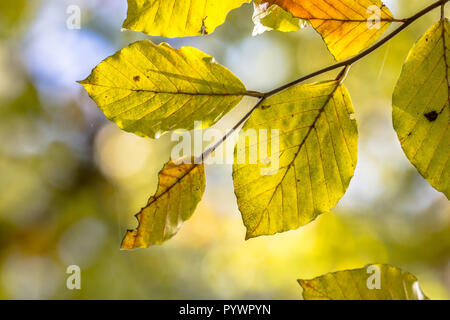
444	34
300	146
237	94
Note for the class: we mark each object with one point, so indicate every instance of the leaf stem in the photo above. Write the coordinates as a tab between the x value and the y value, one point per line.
343	64
255	94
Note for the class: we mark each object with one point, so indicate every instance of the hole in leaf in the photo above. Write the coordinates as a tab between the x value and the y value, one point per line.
431	116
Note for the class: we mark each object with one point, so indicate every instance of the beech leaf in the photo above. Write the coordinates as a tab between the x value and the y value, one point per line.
373	282
150	89
180	189
268	17
175	18
347	26
421	106
317	153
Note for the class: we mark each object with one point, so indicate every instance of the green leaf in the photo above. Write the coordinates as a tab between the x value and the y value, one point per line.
421	106
272	17
345	25
180	189
174	18
148	89
394	284
317	158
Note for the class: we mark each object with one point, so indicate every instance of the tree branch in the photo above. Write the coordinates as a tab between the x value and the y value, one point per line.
363	54
343	64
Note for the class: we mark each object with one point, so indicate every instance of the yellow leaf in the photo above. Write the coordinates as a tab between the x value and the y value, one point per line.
148	89
373	282
268	17
421	106
179	191
317	153
343	24
174	18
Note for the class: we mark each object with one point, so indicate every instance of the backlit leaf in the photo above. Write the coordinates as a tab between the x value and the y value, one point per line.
317	158
343	24
361	284
179	191
272	17
421	106
175	18
148	89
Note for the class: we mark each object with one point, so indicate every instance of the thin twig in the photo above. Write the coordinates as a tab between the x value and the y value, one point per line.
207	152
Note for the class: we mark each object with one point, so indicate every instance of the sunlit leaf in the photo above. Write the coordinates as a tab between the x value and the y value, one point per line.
421	106
174	18
180	189
317	154
272	17
148	89
345	25
374	282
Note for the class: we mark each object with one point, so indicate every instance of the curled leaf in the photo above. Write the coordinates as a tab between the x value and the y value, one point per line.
268	17
180	189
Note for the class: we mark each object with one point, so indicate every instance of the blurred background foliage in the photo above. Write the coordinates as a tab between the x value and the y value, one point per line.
70	181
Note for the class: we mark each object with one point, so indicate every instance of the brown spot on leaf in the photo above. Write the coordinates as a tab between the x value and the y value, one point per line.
431	116
136	78
265	107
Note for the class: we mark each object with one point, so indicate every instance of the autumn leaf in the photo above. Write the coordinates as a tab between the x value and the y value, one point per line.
421	106
268	17
343	24
180	189
317	158
150	89
361	284
173	18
